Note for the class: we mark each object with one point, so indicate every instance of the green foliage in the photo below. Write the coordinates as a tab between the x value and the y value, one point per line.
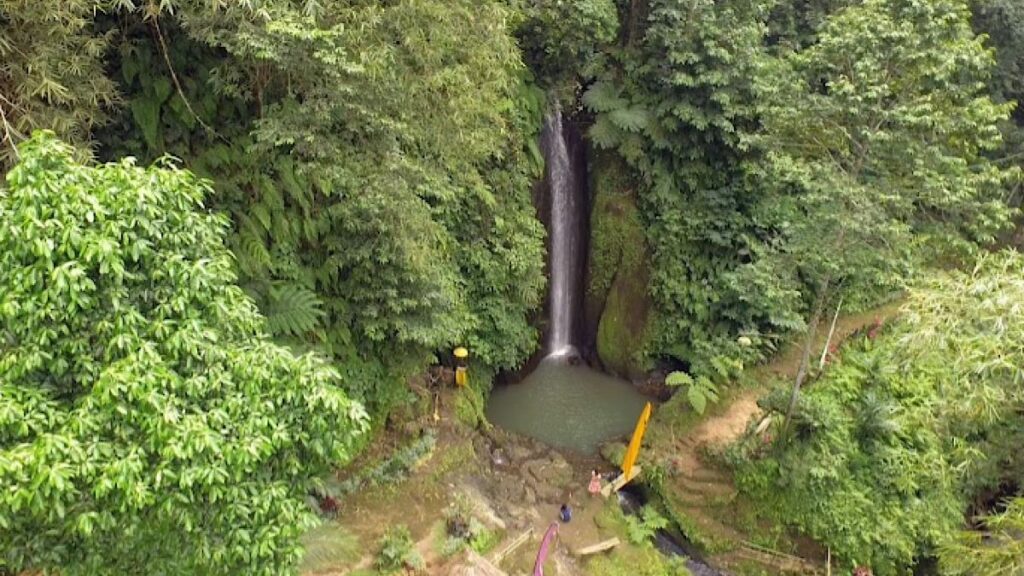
896	438
645	561
376	160
674	107
793	25
560	38
463	529
628	559
397	551
774	170
643	527
998	549
1002	22
292	310
51	71
142	410
891	85
470	400
699	391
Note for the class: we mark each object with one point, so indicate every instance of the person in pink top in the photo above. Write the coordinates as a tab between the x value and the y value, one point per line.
595	483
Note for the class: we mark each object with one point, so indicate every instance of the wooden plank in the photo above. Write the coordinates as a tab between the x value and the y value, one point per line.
599	547
619	482
513	546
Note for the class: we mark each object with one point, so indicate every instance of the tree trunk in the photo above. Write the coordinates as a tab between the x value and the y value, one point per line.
805	357
828	339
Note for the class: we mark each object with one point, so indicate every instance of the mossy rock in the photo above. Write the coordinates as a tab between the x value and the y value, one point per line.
617	302
613	452
621	332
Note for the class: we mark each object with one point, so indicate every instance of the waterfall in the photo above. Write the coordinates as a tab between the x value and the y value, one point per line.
566	235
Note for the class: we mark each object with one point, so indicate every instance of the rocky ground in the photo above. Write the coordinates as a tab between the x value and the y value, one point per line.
514	485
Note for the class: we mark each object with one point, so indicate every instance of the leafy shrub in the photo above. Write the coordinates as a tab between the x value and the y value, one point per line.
398	551
559	37
469	406
463	529
895	439
641	528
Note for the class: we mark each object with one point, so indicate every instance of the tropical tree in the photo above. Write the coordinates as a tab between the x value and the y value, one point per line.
375	162
147	425
876	136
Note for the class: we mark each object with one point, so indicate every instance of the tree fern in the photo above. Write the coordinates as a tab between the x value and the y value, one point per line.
292	310
604	97
632	119
877	417
605	133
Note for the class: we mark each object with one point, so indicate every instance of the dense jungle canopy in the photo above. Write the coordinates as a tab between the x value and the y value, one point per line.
231	232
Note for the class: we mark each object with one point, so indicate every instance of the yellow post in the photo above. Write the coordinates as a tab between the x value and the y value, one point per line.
460	369
634	443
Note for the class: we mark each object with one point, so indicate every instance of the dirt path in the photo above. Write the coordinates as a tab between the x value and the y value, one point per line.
721	429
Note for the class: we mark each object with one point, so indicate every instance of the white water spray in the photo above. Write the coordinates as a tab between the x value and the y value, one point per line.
566	237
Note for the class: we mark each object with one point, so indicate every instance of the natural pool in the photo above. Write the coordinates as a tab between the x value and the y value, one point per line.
569	407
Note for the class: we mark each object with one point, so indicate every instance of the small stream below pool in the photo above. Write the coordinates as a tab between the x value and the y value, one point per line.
566	406
631	500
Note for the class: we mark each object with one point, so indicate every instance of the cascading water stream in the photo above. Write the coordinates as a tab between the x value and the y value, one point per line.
566	236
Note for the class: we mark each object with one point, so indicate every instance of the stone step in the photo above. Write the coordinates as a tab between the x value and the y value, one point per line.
714	489
707	523
775	564
710	475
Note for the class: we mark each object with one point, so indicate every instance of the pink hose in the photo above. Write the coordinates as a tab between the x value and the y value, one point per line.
542	554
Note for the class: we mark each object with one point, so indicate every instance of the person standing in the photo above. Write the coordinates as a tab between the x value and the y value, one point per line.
595	483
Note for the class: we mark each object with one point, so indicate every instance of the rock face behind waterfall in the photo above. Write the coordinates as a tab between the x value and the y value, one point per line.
617	304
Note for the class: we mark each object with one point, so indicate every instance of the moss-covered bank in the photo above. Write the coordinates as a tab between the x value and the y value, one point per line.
616	301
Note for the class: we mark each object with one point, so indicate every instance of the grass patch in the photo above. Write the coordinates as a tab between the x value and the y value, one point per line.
452	457
636	561
327	546
708	542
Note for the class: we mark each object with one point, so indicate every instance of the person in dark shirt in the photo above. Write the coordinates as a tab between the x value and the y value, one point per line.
565	513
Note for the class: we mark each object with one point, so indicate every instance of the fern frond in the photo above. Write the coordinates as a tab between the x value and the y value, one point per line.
603	97
633	119
604	133
251	252
292	310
